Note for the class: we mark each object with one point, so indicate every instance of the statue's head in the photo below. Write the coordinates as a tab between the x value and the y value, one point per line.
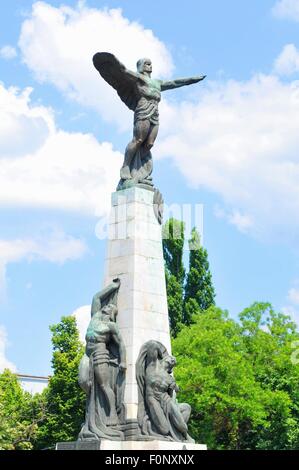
109	312
168	362
144	65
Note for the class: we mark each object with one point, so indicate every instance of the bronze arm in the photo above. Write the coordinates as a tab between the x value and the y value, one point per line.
179	82
102	295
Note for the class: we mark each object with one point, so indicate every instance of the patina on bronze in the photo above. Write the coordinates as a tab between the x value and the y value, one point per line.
159	413
141	94
102	369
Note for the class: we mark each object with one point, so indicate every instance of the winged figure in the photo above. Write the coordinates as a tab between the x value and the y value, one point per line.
141	94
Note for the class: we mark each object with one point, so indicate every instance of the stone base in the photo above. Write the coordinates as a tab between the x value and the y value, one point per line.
127	184
150	445
128	445
78	445
135	256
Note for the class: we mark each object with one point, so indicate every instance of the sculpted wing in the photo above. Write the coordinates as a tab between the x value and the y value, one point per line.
116	74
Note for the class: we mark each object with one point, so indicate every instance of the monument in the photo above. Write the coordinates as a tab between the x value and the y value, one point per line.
127	368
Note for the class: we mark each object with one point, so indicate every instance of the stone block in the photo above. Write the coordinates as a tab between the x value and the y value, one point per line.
135	255
79	445
131	393
136	195
132	410
104	444
151	445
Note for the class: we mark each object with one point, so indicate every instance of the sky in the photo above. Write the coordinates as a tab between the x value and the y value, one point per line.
229	143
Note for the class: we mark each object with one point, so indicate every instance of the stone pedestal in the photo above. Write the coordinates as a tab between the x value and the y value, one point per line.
135	255
128	445
150	445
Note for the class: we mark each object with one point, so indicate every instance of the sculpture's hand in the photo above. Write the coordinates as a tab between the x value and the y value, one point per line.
122	366
175	387
199	79
116	282
178	82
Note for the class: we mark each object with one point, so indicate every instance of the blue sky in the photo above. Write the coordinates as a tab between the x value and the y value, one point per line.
229	143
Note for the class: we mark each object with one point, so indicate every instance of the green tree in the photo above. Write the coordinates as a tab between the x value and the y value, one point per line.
20	414
269	337
239	379
199	289
65	400
173	246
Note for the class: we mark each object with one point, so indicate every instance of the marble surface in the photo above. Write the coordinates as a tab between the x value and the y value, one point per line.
135	256
150	445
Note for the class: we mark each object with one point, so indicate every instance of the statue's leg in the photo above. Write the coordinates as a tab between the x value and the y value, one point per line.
152	135
157	416
178	419
141	130
103	379
185	409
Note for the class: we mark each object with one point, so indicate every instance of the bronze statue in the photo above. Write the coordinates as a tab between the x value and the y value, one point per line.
102	369
159	413
142	95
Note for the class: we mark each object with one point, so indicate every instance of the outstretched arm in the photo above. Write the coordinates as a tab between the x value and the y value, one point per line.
101	296
171	84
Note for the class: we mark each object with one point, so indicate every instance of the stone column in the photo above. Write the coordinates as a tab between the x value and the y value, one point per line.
134	254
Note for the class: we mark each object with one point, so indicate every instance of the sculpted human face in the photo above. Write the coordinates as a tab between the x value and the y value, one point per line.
169	362
109	312
144	66
147	66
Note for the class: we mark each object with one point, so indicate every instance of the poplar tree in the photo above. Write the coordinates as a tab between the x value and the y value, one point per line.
199	289
173	246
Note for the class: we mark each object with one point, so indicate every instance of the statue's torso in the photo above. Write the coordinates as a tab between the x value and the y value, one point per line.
149	89
149	96
98	330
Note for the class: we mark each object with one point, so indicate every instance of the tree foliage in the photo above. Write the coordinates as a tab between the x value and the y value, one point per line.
186	295
20	414
65	400
173	246
199	290
239	379
237	375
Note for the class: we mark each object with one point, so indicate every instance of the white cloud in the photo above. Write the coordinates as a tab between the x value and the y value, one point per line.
8	52
41	166
293	295
287	9
287	62
4	362
292	305
23	128
82	315
240	140
56	247
237	139
58	44
292	312
241	221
